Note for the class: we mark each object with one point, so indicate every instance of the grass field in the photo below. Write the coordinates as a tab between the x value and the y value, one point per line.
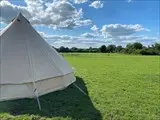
119	87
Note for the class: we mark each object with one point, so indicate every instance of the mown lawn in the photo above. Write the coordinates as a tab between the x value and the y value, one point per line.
119	87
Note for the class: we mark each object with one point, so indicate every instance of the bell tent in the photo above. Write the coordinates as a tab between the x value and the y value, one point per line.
29	66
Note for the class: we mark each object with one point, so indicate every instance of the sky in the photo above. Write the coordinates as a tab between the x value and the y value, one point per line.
88	23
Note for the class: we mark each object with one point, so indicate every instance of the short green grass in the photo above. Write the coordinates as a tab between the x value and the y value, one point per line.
119	87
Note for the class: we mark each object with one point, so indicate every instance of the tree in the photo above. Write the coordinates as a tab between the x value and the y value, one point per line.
157	46
62	49
95	50
119	48
74	49
129	46
111	48
103	49
67	49
137	45
147	51
90	49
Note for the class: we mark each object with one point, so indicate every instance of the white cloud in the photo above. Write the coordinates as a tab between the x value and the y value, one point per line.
96	4
94	28
72	41
89	35
9	11
80	1
89	39
83	22
115	30
119	34
57	37
145	40
55	14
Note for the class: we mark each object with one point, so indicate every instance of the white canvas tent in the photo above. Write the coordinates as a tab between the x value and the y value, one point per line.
29	66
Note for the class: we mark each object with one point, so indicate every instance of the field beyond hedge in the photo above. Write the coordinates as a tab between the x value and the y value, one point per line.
119	87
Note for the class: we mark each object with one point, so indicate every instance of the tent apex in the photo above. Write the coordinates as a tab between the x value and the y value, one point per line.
20	17
19	14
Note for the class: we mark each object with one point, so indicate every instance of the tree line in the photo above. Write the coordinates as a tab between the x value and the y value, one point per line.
131	48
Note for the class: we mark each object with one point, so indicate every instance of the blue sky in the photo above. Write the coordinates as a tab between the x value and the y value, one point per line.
116	21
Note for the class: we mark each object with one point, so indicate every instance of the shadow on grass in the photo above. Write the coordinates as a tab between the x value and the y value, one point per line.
69	102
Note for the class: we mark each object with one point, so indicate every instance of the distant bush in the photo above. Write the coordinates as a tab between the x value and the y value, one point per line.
135	48
149	52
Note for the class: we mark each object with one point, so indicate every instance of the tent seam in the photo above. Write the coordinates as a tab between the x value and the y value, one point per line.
35	81
30	63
